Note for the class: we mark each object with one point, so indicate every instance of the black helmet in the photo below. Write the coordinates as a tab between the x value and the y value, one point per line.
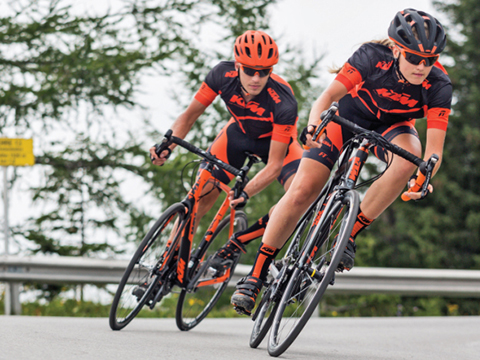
401	32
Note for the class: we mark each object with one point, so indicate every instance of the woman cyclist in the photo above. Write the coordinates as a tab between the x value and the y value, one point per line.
384	87
264	117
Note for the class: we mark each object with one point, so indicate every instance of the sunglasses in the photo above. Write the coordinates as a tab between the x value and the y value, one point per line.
415	59
261	72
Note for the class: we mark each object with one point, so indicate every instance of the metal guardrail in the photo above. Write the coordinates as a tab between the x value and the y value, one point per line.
428	282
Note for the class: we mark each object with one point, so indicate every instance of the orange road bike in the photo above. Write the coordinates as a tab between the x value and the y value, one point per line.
167	259
299	280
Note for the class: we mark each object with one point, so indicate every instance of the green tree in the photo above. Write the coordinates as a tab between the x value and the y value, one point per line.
64	77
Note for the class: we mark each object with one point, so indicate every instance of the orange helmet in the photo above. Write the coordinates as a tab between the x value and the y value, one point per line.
256	49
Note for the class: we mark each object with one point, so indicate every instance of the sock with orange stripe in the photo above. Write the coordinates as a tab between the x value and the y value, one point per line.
361	223
254	231
265	255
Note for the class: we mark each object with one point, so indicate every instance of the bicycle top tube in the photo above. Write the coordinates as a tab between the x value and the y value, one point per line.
169	139
330	115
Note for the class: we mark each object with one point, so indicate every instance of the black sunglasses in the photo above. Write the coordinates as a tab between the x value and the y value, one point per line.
261	72
415	59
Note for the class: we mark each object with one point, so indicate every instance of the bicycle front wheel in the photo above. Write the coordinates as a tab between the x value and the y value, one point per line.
314	272
264	316
137	285
195	304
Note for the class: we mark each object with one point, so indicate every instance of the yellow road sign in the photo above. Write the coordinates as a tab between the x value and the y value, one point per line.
16	152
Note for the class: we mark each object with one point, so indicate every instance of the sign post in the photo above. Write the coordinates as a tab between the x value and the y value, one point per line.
13	152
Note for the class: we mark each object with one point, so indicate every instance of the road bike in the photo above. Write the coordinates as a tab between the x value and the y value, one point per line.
299	280
168	258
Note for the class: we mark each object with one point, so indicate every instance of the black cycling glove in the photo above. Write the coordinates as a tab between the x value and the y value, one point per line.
244	202
303	135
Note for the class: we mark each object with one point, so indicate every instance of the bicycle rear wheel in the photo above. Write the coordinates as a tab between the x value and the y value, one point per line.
195	304
137	286
314	272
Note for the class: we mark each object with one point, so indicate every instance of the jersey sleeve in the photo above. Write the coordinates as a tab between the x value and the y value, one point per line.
439	108
285	124
210	88
356	69
205	94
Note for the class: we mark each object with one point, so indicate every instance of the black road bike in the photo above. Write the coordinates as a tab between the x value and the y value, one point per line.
168	260
301	277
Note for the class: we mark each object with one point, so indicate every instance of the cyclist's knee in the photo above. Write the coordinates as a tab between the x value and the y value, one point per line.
300	196
403	169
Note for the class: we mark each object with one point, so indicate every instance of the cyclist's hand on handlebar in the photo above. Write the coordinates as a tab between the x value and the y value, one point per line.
239	202
417	189
306	137
414	191
159	160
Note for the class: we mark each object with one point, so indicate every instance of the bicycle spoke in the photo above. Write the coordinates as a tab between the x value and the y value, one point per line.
195	304
313	274
136	287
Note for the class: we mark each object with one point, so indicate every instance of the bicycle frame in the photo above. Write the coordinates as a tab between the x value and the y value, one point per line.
186	231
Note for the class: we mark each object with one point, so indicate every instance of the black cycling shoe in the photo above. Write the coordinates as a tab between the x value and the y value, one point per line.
348	258
227	254
243	299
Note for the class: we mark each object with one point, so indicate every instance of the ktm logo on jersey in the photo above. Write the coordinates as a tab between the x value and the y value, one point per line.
231	74
252	106
274	95
384	65
426	85
403	99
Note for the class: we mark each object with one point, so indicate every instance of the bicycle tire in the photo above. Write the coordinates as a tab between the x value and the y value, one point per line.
305	289
268	305
140	271
194	305
263	321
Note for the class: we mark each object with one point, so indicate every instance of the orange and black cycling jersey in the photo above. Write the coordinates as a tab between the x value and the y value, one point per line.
381	96
272	113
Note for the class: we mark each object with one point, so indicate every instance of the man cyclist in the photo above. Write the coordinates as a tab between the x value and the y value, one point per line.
263	122
384	87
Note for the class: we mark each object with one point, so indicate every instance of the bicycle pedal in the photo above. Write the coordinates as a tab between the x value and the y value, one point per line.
242	311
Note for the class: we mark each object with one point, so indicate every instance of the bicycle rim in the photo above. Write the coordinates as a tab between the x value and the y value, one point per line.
194	305
271	296
137	286
308	284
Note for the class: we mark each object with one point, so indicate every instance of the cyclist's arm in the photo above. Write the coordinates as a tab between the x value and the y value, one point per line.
334	92
181	127
435	142
269	173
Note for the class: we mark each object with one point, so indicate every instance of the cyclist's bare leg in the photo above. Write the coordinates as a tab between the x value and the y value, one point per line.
258	229
305	187
385	190
286	186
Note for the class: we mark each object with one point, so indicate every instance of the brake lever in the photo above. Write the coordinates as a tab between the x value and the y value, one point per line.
326	118
164	145
428	174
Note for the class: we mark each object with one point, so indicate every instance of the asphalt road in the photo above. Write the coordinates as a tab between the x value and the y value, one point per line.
62	338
